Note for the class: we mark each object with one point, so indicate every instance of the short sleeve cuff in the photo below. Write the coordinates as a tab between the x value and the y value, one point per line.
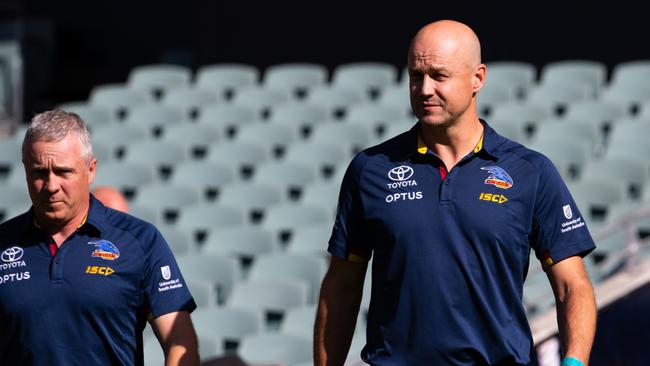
562	253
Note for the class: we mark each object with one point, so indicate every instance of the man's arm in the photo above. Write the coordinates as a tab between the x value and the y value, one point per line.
576	307
338	308
177	338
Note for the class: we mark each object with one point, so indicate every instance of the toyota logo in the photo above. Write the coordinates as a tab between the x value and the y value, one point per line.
400	173
12	254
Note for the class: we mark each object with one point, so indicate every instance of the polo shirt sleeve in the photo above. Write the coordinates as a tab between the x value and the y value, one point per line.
165	288
559	229
349	240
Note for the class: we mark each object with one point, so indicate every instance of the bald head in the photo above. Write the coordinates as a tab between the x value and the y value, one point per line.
111	198
447	39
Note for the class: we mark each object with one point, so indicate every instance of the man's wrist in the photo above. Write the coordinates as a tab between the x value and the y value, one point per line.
571	361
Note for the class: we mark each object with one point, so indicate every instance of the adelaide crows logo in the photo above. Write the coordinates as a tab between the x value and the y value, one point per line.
105	250
498	177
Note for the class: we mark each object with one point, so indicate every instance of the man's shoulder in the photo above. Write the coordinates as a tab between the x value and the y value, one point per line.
535	158
120	221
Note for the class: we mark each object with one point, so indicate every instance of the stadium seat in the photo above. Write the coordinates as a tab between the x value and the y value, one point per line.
117	136
152	215
526	114
322	155
373	115
204	291
510	129
206	177
283	219
277	267
222	272
272	298
201	219
273	138
275	349
126	177
629	97
297	78
10	154
93	115
157	79
310	240
599	112
595	197
227	117
289	176
196	140
299	321
584	130
162	155
369	77
521	75
354	136
630	73
244	242
244	156
336	99
226	79
229	324
396	96
169	199
179	241
254	199
558	96
633	174
263	100
191	101
321	194
591	74
11	197
493	94
568	154
302	117
118	99
155	116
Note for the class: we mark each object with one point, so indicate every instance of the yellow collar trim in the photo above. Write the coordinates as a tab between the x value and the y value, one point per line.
422	147
479	144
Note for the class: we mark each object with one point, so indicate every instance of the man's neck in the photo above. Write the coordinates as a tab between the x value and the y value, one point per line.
61	231
452	143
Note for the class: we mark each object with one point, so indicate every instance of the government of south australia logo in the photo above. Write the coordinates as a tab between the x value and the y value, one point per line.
400	173
12	254
498	177
105	250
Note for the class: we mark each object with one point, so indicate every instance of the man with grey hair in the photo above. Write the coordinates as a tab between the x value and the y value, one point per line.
78	280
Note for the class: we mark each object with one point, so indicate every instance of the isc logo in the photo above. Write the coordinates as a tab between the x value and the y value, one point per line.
104	271
490	197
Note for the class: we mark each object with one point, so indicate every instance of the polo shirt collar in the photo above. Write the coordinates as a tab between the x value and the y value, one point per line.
488	143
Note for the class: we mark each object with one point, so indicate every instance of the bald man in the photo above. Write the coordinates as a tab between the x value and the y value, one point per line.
111	197
449	211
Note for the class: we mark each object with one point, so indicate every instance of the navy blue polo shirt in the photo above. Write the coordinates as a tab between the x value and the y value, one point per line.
450	251
88	303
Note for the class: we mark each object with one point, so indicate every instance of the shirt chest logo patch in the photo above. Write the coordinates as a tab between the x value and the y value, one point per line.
401	178
498	177
104	249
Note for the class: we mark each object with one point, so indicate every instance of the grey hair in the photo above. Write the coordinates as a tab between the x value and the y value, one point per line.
54	126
